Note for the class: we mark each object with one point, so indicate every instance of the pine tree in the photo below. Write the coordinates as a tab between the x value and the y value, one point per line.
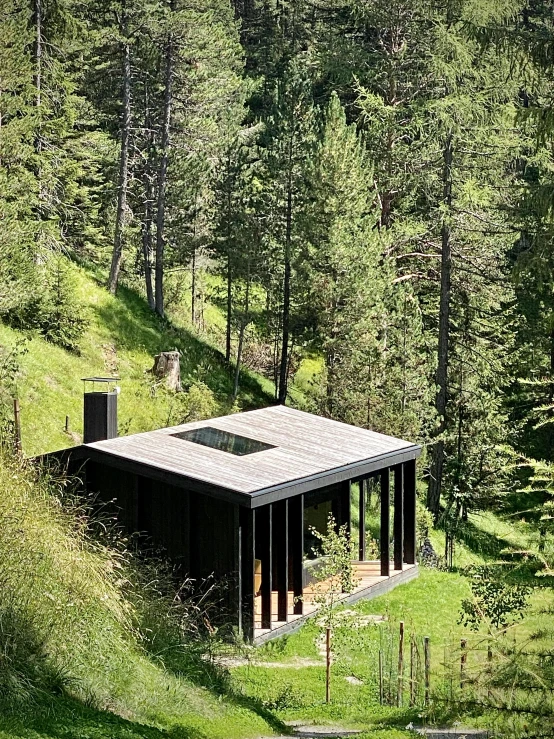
290	137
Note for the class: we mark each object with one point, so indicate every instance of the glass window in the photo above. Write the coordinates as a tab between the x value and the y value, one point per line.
224	441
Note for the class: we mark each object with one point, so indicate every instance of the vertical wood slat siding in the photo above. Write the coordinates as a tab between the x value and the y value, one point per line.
398	527
410	511
281	557
361	518
247	535
385	523
345	506
264	547
296	551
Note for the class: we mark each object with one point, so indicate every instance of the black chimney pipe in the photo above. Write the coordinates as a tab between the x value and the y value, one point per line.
100	409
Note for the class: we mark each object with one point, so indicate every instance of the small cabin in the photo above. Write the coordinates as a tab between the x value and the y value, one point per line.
237	498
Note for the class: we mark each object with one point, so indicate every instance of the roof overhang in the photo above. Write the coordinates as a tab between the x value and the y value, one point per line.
368	454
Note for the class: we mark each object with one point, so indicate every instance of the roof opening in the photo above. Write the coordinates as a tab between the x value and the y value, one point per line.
224	441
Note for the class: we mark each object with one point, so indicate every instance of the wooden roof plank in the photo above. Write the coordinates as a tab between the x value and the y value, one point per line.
305	447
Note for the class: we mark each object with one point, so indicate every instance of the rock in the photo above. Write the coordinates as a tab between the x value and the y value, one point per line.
308	731
427	554
455	732
353	680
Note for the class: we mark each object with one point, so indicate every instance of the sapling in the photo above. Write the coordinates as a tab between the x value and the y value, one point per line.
336	576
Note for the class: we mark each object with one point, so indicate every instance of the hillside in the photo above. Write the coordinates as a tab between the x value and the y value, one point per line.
75	658
121	338
92	642
97	675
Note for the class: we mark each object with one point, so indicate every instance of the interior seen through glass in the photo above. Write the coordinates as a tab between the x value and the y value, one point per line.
224	441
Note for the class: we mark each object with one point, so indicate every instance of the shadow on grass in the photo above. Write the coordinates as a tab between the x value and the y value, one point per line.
513	565
482	542
67	718
132	325
217	680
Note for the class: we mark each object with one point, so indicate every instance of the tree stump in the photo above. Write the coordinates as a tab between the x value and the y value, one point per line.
167	365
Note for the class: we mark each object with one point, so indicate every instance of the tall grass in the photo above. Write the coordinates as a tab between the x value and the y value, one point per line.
65	621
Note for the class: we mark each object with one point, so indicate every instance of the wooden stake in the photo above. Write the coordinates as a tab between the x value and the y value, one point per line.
17	427
67	424
381	692
400	664
412	671
328	671
463	660
427	653
489	671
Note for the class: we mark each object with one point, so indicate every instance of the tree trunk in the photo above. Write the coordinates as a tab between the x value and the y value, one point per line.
162	174
148	184
38	60
229	275
38	52
147	233
123	180
330	356
167	365
283	369
229	309
193	287
437	461
243	325
38	104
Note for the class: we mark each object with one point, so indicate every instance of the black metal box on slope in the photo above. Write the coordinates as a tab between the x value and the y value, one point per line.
100	409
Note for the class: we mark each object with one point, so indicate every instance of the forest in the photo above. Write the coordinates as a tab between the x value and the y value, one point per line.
367	185
362	189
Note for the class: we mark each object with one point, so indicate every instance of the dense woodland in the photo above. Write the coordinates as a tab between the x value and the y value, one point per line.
369	184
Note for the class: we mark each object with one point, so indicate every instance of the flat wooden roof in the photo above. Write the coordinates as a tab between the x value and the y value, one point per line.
308	452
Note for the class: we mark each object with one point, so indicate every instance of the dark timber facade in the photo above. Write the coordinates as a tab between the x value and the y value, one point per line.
232	497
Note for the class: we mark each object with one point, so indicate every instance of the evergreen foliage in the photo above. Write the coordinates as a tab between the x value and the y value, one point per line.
371	181
361	193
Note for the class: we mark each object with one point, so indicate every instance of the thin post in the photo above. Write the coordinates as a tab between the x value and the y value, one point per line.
381	691
281	556
67	424
17	427
413	656
264	517
328	665
398	525
296	551
489	670
385	522
400	664
463	660
410	512
427	657
247	538
361	518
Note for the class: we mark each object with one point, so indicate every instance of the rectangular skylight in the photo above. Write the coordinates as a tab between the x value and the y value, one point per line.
224	441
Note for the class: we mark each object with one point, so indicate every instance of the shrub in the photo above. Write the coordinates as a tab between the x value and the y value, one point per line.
53	309
493	603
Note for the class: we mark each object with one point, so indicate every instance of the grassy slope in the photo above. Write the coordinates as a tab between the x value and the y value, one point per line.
122	338
429	606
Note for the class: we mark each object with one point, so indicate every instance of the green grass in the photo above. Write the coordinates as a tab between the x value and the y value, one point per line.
122	337
73	659
74	642
298	692
107	685
429	606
